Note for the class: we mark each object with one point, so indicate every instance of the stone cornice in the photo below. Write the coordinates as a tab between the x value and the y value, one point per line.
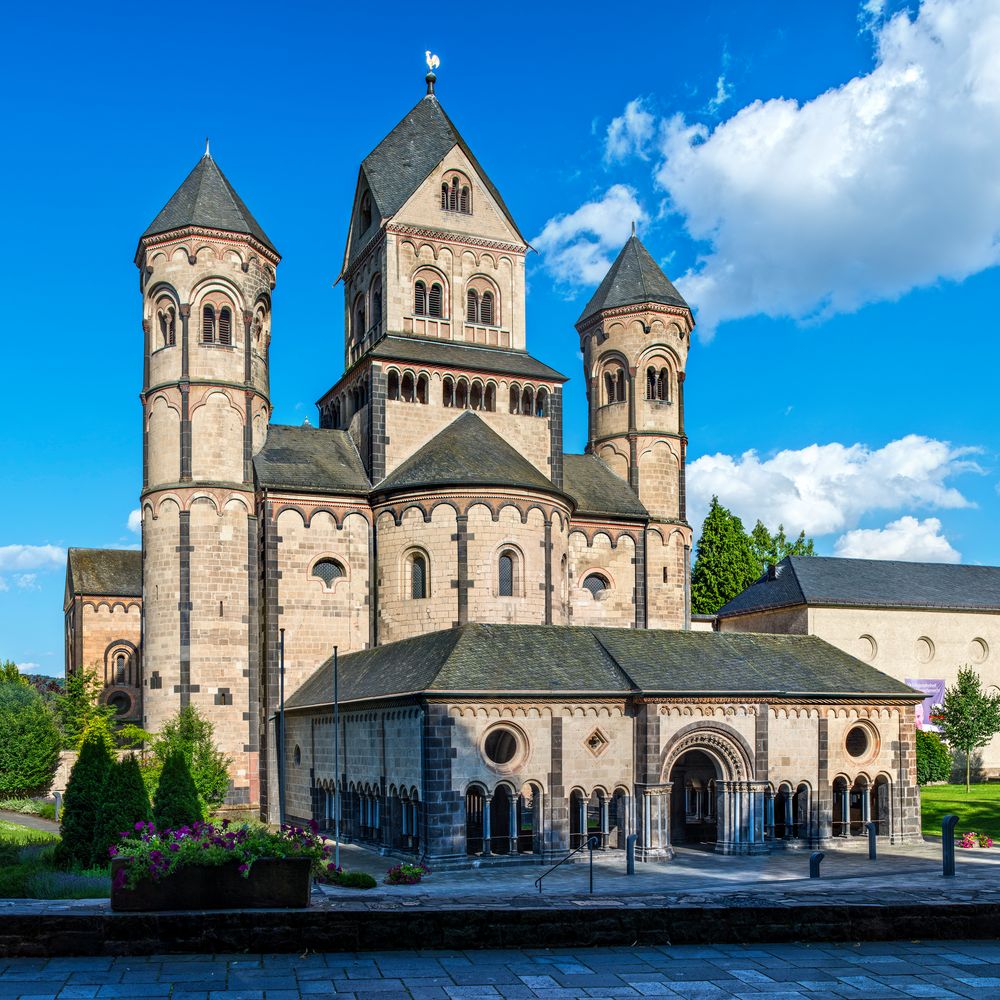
224	236
446	236
631	310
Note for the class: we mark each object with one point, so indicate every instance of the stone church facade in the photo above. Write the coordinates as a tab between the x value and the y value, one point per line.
434	511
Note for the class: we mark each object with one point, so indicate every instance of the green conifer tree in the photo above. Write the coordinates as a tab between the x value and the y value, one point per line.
124	802
176	801
82	802
725	564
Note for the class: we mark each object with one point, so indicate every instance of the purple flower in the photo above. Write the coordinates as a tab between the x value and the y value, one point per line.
175	847
140	825
112	852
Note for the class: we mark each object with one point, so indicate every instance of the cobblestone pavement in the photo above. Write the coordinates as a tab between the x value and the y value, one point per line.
888	969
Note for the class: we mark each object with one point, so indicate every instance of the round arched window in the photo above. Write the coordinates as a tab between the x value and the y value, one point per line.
925	649
297	755
596	584
120	702
859	742
979	650
503	747
328	570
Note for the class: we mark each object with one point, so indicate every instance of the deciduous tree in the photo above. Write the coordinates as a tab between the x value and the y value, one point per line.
970	716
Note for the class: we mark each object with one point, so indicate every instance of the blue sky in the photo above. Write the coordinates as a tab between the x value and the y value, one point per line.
820	181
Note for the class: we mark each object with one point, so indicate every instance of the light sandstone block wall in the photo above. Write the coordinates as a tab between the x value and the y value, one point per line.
780	621
161	595
666	575
614	607
316	619
106	621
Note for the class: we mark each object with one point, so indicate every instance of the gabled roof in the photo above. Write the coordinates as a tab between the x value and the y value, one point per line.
557	659
876	583
634	278
468	356
402	161
466	453
597	490
310	459
104	572
207	199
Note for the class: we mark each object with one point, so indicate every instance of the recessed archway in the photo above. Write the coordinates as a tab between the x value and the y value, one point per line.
694	819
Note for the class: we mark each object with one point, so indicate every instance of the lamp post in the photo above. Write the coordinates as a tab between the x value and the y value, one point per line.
336	760
281	729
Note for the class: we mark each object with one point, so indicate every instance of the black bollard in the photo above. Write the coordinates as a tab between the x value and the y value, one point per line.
591	844
814	859
948	825
630	853
872	841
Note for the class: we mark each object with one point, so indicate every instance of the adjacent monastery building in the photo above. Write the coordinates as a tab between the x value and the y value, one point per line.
516	665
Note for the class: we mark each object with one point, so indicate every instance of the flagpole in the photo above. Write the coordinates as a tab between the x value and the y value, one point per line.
336	759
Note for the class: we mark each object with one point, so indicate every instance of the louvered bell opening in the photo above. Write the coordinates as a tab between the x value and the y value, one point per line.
463	201
225	327
208	325
486	309
420	299
434	302
472	306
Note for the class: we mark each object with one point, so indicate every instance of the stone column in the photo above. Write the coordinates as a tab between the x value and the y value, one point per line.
512	825
788	816
582	822
845	813
605	822
758	795
654	822
487	799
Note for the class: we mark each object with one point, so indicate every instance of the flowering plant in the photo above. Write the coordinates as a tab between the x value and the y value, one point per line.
974	839
156	854
406	874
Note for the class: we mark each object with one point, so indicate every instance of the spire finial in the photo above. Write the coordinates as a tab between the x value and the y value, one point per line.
432	64
633	227
208	151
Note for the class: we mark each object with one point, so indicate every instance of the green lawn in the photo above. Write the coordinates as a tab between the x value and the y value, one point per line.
27	870
978	811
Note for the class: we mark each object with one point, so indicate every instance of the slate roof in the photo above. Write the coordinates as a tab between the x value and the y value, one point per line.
634	278
401	162
206	198
876	583
104	572
466	453
311	459
558	659
597	490
469	356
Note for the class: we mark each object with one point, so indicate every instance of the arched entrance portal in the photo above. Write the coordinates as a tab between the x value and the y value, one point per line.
693	818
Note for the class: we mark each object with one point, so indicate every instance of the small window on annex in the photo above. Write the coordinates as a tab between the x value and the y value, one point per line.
507	574
417	571
329	571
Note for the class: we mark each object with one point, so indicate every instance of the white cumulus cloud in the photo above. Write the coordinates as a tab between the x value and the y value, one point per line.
630	133
27	581
878	186
135	521
827	488
28	557
579	248
29	668
908	538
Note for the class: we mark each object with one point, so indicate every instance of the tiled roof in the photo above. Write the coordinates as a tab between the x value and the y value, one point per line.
105	572
402	161
466	453
310	459
634	278
206	198
597	490
556	659
418	350
876	583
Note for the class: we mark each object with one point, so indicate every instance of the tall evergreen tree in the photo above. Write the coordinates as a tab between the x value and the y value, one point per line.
29	741
124	802
970	717
82	802
725	564
176	801
770	549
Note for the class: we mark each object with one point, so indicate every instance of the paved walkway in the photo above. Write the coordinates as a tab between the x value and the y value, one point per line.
778	972
34	822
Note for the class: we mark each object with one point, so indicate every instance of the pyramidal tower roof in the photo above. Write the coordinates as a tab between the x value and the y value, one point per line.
401	162
634	278
207	199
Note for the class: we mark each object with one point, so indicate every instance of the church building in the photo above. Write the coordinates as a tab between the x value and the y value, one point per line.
516	665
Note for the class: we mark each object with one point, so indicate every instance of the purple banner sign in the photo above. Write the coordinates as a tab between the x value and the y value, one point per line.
934	689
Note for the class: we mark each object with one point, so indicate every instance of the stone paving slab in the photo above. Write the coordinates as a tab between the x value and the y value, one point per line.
919	969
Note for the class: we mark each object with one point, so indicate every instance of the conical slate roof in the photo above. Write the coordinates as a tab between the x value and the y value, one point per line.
466	453
401	162
634	278
206	198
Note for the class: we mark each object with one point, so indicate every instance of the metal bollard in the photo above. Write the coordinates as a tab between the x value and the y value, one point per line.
948	825
814	859
591	844
872	841
630	853
58	797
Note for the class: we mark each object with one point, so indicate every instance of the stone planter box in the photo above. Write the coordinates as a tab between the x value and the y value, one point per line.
273	883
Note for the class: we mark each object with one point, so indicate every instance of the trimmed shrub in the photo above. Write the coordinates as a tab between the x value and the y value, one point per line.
124	803
354	880
29	742
194	736
82	802
933	758
176	802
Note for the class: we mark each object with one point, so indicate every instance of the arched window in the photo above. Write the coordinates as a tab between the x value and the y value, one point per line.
528	401
376	318
419	299
453	195
444	196
225	326
359	318
515	398
651	383
476	396
541	403
462	394
168	327
365	220
208	325
448	392
663	385
614	385
507	573
596	584
392	386
422	384
472	306
491	398
434	301
409	388
418	576
464	201
121	669
329	571
486	309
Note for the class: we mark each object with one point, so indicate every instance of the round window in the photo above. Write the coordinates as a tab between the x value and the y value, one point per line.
120	702
500	746
925	649
868	647
858	742
979	650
